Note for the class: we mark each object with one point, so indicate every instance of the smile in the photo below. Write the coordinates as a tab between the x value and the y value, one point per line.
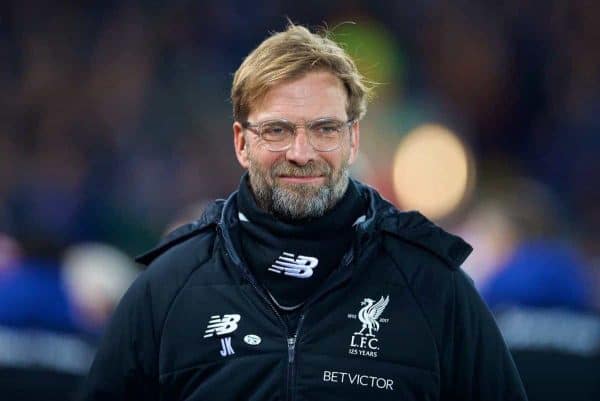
301	179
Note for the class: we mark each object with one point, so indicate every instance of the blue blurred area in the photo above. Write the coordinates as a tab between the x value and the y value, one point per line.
543	274
33	296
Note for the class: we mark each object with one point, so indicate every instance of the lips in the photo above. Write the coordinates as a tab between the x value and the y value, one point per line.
299	176
308	174
301	179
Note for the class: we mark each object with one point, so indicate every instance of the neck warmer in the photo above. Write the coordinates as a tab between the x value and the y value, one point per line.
292	258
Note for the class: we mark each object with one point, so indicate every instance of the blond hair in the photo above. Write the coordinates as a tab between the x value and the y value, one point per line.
288	55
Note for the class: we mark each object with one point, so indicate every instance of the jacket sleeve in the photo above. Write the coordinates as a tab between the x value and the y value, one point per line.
476	363
125	366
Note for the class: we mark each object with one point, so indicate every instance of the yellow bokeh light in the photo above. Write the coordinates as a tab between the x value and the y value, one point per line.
431	171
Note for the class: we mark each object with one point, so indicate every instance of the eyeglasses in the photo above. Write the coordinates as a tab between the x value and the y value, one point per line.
324	134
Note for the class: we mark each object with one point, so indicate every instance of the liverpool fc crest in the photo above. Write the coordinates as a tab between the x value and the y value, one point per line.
365	342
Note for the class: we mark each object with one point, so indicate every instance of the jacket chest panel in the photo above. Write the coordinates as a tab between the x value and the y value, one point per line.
221	325
369	341
371	324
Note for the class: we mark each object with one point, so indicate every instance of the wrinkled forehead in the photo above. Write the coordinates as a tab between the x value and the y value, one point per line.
314	95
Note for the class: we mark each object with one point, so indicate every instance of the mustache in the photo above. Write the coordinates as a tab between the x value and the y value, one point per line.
309	169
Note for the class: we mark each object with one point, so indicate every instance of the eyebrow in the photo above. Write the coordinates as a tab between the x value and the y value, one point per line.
302	120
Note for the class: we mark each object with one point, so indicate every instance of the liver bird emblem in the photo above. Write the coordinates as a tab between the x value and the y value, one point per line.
369	314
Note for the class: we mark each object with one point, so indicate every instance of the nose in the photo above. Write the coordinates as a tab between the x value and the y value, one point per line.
301	152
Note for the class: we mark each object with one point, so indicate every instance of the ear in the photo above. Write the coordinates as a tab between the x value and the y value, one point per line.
239	142
354	141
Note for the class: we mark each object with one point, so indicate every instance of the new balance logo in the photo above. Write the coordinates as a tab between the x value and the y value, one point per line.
221	325
290	265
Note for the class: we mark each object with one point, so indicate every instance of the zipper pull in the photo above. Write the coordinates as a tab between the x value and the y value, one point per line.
291	349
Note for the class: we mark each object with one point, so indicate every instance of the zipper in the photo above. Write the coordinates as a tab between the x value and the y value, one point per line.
291	359
291	349
289	394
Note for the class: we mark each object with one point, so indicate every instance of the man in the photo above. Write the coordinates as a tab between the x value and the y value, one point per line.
303	284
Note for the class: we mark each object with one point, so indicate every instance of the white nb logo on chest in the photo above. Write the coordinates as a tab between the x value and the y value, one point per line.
290	265
222	325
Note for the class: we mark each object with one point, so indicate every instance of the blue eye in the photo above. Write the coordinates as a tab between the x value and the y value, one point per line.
329	128
326	128
273	131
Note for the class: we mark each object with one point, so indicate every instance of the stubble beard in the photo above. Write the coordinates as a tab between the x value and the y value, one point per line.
298	201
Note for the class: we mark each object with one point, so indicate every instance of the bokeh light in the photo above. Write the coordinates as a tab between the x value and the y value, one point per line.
432	171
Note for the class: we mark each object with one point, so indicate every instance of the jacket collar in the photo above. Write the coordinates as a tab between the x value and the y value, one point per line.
411	226
209	218
381	216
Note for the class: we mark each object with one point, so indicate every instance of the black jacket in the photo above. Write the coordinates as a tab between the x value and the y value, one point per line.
398	320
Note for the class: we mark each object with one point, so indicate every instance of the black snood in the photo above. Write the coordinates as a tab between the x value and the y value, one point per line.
292	258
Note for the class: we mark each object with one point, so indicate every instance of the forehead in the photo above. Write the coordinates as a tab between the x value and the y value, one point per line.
313	95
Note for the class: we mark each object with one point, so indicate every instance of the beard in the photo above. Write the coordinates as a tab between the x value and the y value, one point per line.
298	201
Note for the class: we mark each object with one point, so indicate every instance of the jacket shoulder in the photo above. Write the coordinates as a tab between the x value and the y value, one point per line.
170	265
426	240
186	233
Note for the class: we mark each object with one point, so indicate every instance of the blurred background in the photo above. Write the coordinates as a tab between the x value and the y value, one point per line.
115	126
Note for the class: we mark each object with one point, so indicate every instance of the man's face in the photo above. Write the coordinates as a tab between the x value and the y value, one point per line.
299	182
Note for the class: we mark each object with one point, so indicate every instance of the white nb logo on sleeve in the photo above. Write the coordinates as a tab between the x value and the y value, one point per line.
290	265
221	325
